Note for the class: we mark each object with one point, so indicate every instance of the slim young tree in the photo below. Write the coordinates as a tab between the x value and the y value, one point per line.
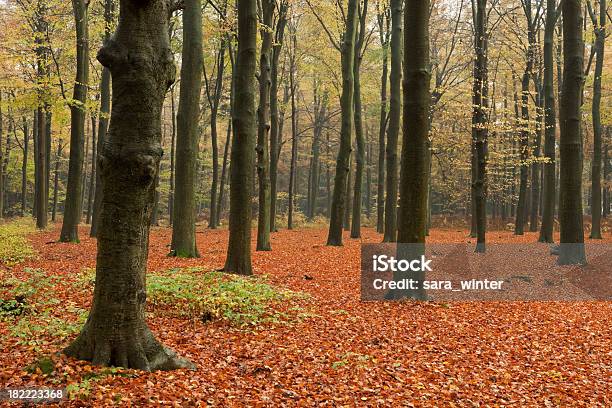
73	203
480	122
263	127
243	142
394	122
339	202
275	128
599	28
184	207
360	156
571	250
550	125
116	333
384	22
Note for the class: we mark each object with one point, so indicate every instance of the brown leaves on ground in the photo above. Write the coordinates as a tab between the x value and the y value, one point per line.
344	352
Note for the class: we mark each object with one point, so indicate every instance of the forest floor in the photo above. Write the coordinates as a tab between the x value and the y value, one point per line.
319	346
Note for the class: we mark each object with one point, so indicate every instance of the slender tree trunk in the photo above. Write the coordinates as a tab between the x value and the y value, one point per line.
394	122
522	206
224	172
346	104
600	38
92	175
550	126
172	159
571	250
72	204
1	160
41	199
183	227
294	133
58	158
116	332
606	191
263	129
480	124
243	144
536	166
359	133
274	110
349	189
384	20
214	109
24	167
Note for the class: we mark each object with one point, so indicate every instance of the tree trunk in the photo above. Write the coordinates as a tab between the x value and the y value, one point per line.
550	126
172	160
480	124
522	206
412	223
263	129
116	333
294	131
349	184
600	38
394	122
384	28
224	172
24	167
1	160
571	250
183	227
58	158
72	204
214	101
275	133
243	144
606	191
359	133
536	166
92	174
41	198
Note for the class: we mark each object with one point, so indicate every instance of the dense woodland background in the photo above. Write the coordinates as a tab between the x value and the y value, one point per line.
39	55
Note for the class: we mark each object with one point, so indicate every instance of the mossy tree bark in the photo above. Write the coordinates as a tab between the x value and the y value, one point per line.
571	250
74	187
394	122
184	207
263	128
140	61
243	143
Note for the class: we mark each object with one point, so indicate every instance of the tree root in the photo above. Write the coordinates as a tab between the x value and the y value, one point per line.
136	348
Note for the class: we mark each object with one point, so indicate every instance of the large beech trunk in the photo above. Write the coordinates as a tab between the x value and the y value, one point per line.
243	143
140	61
184	207
570	198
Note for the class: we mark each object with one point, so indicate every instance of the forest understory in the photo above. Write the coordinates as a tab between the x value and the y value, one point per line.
316	343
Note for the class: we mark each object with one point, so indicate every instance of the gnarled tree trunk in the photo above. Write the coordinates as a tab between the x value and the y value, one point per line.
140	61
